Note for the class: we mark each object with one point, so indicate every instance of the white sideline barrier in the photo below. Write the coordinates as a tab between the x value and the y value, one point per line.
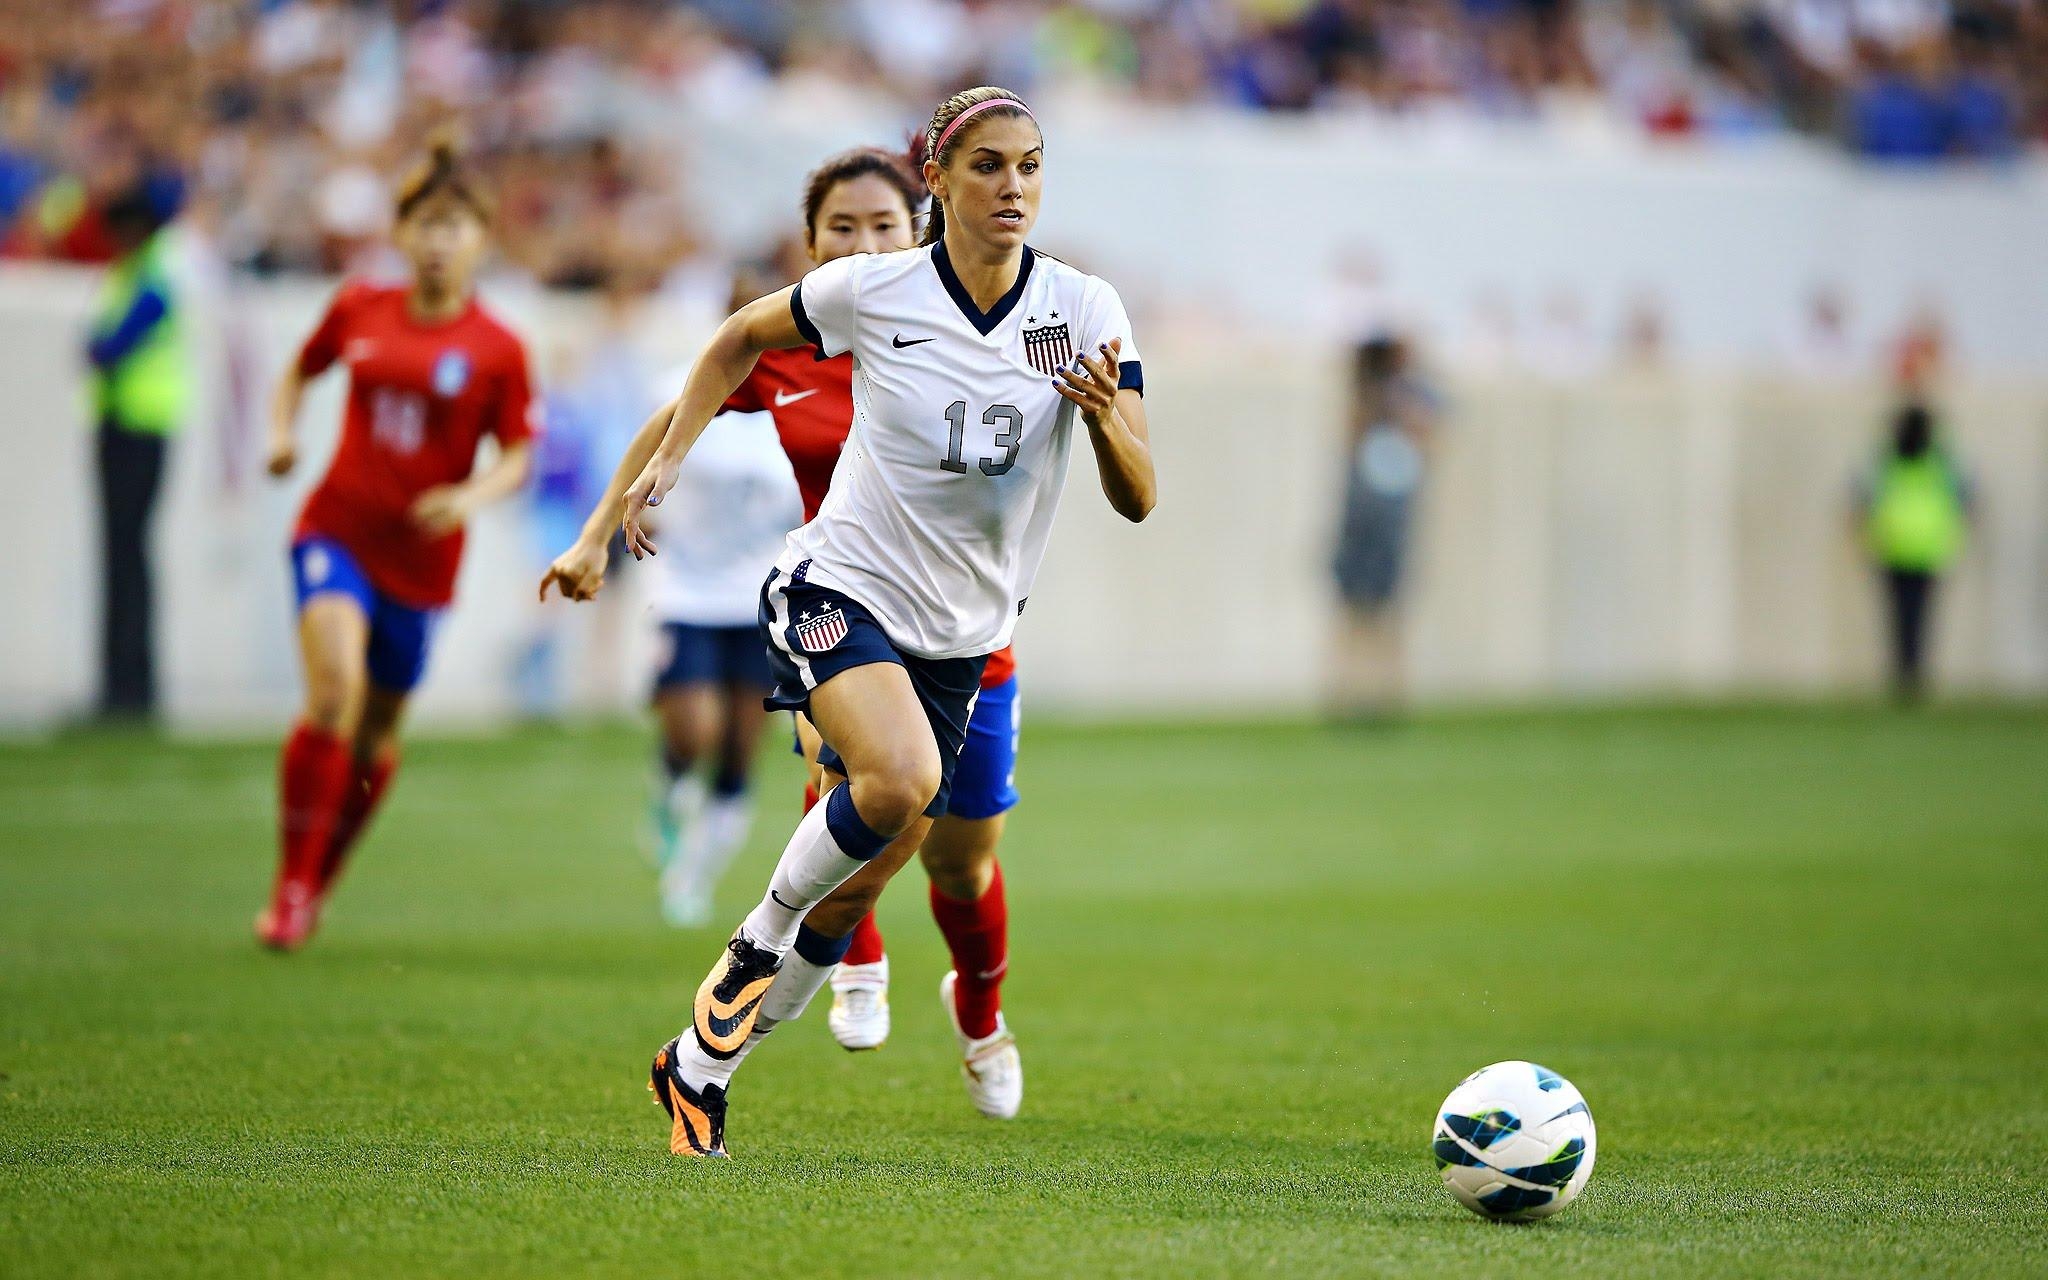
1628	535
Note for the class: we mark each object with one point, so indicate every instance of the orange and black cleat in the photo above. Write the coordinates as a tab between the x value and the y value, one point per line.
729	1002
697	1120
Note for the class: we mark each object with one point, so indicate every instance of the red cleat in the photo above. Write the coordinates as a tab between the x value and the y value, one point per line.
288	922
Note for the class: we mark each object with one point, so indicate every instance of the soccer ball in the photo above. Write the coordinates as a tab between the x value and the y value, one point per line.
1514	1142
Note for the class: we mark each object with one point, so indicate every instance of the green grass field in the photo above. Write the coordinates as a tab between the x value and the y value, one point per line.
1795	959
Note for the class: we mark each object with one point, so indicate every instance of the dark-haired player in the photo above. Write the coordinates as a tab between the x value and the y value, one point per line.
374	556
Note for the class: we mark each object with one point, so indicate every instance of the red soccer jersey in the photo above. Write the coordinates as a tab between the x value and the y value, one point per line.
420	398
812	402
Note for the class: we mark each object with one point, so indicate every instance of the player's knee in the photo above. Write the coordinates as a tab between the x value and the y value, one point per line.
893	794
961	877
334	701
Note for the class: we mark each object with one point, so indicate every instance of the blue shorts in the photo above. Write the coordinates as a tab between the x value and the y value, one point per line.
814	633
400	636
712	655
985	784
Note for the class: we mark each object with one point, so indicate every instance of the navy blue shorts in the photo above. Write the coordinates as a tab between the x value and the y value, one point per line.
400	636
814	633
691	654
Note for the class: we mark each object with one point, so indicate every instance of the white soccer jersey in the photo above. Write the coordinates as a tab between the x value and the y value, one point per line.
719	532
945	494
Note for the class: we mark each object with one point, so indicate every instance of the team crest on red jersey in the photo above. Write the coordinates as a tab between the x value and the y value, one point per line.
817	634
1047	345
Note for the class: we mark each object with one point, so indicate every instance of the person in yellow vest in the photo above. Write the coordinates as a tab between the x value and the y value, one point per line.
1916	513
141	385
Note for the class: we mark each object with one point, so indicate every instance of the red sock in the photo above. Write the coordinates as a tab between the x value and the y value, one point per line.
866	945
978	935
313	773
810	797
366	784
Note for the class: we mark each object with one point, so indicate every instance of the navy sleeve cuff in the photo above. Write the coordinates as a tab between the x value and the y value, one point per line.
1131	377
803	322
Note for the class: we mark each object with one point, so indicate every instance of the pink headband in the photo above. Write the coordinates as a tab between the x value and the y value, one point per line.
968	114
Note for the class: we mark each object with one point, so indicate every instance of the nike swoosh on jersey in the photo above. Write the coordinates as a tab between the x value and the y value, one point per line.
782	399
899	341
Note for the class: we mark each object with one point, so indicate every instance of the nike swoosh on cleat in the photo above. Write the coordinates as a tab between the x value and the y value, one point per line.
721	1028
899	341
782	399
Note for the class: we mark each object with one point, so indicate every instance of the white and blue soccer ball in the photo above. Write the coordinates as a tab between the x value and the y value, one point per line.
1514	1142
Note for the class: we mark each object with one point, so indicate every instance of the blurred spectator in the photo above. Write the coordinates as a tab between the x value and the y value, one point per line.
1915	509
1393	414
286	111
140	392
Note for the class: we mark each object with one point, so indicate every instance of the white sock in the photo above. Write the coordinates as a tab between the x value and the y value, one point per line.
794	988
829	845
700	1069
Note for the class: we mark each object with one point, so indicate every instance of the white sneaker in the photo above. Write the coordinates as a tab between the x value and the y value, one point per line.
990	1065
860	1005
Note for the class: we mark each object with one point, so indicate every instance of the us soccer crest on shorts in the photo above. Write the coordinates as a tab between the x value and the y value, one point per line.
816	634
1048	343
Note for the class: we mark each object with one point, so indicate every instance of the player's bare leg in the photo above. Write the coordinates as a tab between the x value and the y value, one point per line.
968	903
315	765
872	716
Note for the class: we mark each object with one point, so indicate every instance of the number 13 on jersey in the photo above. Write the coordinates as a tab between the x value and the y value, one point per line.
1009	437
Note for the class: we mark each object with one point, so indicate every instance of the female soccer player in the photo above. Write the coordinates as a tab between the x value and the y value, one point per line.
973	354
380	538
861	201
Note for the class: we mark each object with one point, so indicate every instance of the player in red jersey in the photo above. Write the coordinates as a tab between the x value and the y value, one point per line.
863	201
375	553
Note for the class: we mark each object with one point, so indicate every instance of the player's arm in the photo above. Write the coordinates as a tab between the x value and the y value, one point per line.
283	448
321	349
1117	430
765	324
578	572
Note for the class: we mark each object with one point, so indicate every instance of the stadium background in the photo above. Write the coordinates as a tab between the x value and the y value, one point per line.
1603	224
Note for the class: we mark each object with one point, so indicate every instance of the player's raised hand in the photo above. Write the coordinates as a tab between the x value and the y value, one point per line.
577	573
1090	381
441	510
656	479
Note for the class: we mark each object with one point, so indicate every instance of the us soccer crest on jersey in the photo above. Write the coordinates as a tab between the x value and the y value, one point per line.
1049	343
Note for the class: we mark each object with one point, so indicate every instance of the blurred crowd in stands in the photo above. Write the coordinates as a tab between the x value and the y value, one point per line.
276	122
